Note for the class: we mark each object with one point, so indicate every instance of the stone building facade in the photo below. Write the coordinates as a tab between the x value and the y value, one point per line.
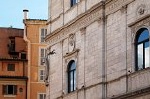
98	49
34	33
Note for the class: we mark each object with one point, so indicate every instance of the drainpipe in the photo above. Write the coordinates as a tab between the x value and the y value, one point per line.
28	51
103	52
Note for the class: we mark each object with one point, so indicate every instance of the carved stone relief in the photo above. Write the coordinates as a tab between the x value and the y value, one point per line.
71	42
141	9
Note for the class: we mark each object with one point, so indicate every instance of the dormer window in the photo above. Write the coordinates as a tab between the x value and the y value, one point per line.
11	45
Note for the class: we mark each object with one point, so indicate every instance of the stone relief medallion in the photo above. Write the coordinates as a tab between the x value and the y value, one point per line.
71	42
141	9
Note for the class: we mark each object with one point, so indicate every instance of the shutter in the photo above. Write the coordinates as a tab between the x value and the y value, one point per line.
15	89
4	92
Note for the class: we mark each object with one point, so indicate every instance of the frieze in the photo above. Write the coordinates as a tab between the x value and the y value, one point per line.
82	22
115	5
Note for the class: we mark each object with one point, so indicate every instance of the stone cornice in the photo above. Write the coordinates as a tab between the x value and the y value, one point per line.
136	93
34	21
79	22
140	21
114	5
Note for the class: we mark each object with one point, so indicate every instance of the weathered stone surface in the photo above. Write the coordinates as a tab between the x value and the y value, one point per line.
104	50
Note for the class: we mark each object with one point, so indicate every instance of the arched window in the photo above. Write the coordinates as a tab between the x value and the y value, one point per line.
142	49
71	76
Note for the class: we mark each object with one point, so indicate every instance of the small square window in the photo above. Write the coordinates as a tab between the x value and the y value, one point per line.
11	67
23	55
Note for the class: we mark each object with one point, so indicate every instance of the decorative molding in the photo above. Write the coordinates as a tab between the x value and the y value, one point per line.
88	18
124	9
72	53
71	42
141	9
83	30
114	5
140	23
136	93
35	21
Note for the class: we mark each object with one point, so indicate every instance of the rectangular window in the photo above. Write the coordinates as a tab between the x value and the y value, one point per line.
11	67
23	55
43	34
9	89
73	2
42	96
41	75
42	56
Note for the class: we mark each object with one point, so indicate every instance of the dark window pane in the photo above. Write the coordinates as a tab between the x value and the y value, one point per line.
42	32
10	89
147	55
73	66
4	89
42	56
73	2
143	36
41	96
45	32
15	89
42	52
11	67
72	76
23	55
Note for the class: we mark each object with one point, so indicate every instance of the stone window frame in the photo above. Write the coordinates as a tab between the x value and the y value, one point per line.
67	58
143	22
139	32
71	71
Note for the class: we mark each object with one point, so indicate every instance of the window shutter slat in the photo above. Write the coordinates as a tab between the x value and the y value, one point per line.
4	92
15	89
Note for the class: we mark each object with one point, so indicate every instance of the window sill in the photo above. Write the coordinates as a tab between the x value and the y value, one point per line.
71	7
140	71
70	93
9	95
